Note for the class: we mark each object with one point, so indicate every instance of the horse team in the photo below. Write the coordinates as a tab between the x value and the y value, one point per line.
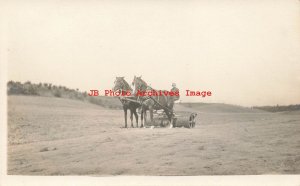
145	103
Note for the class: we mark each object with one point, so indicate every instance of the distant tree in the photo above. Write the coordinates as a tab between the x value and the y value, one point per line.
84	94
10	83
57	93
27	82
33	90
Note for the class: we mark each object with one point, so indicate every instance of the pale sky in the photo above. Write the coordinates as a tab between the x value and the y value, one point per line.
245	52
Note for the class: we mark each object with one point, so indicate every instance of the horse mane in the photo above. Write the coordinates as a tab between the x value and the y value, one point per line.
143	81
125	82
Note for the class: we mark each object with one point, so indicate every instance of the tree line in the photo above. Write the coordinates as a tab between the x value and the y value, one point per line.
279	108
59	91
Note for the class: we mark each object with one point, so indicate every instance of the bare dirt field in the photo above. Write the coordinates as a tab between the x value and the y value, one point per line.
55	136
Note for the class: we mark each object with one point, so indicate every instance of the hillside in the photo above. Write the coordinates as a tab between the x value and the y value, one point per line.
218	108
50	90
280	108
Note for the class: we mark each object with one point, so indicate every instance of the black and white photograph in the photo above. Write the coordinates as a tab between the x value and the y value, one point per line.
150	89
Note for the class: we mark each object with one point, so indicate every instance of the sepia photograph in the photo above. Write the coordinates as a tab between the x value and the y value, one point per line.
175	90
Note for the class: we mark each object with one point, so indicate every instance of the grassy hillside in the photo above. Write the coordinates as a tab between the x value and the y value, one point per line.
279	108
218	108
50	90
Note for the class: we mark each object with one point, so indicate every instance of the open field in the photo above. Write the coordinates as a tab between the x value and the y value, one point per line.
56	136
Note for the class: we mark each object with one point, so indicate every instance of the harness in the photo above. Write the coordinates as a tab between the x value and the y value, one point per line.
156	102
122	88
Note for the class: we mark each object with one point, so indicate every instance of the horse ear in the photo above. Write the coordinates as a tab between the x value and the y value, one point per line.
140	76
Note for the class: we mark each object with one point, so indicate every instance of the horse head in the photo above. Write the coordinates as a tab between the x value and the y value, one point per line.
121	84
139	83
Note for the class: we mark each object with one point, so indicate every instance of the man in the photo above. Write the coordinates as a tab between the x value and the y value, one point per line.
175	97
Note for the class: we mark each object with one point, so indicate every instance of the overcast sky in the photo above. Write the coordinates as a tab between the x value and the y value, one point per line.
244	52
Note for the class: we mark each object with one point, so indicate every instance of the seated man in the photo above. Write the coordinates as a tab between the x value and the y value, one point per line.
173	98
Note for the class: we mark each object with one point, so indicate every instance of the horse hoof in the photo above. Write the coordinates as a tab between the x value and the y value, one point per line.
171	126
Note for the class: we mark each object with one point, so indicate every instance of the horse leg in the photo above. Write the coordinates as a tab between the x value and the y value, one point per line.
145	117
136	118
131	117
151	115
169	115
125	116
142	117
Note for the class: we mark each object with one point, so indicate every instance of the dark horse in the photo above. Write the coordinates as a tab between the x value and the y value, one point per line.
152	102
127	102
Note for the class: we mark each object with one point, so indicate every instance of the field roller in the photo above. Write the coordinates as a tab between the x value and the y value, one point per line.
182	119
